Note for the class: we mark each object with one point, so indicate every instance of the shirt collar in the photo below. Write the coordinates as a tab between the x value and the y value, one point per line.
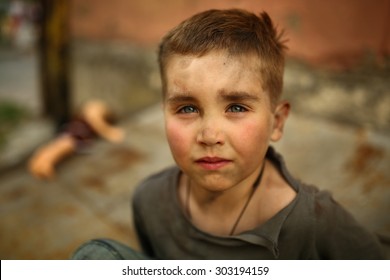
267	235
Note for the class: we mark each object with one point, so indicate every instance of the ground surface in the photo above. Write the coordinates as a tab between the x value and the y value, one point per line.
91	195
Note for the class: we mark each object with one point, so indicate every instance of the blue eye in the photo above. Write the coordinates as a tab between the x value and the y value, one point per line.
188	110
237	109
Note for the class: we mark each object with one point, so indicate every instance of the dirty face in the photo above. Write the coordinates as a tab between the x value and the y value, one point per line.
218	119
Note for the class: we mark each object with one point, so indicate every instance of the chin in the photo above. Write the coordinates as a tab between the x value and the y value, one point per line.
216	186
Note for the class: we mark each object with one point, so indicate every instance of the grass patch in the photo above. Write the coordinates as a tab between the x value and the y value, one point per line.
11	115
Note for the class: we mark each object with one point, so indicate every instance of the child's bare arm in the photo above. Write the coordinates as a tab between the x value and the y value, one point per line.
95	114
42	163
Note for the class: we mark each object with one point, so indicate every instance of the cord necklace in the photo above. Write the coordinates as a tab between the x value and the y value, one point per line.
254	187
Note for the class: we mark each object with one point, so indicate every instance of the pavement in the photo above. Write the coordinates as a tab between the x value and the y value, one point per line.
90	196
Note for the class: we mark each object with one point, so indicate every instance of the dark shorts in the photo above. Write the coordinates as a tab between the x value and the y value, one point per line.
80	131
106	249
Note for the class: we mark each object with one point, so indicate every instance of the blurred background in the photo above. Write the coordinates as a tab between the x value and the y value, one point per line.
56	55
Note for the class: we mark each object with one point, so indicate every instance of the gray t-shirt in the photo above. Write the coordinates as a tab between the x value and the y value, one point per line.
312	226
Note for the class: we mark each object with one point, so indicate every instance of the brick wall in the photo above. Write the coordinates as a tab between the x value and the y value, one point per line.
333	33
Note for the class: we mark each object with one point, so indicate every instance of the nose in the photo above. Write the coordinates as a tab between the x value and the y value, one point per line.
210	133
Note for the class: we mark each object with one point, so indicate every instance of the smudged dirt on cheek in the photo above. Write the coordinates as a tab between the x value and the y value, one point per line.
178	136
251	133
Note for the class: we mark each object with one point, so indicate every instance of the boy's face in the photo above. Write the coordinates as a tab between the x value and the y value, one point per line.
218	120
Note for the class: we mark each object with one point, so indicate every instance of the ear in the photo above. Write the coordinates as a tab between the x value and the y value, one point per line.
280	116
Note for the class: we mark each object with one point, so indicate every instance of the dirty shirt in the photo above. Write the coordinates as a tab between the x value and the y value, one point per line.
312	226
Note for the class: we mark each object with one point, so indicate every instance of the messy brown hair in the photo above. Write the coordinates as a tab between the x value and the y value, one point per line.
235	31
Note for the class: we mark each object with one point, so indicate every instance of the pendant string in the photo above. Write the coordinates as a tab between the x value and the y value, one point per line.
254	187
187	203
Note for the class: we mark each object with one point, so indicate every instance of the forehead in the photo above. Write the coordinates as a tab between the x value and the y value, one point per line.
217	70
213	59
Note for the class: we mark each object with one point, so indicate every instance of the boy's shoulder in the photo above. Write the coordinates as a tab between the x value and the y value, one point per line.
339	235
324	206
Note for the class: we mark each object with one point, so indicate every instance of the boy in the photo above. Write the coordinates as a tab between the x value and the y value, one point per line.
230	195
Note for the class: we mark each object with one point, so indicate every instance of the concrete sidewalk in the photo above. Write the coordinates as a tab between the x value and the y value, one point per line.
91	195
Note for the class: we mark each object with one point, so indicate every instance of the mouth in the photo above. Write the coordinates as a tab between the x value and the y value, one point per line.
212	163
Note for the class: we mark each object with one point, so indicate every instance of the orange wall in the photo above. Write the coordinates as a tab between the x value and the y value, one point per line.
334	32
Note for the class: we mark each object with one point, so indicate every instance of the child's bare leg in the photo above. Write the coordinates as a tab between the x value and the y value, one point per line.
42	163
95	114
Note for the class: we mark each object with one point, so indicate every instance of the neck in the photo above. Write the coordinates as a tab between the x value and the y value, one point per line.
221	202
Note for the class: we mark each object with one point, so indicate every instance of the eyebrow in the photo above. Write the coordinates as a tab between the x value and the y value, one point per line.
181	98
229	96
237	96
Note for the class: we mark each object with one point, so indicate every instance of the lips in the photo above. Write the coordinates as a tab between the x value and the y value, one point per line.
212	163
